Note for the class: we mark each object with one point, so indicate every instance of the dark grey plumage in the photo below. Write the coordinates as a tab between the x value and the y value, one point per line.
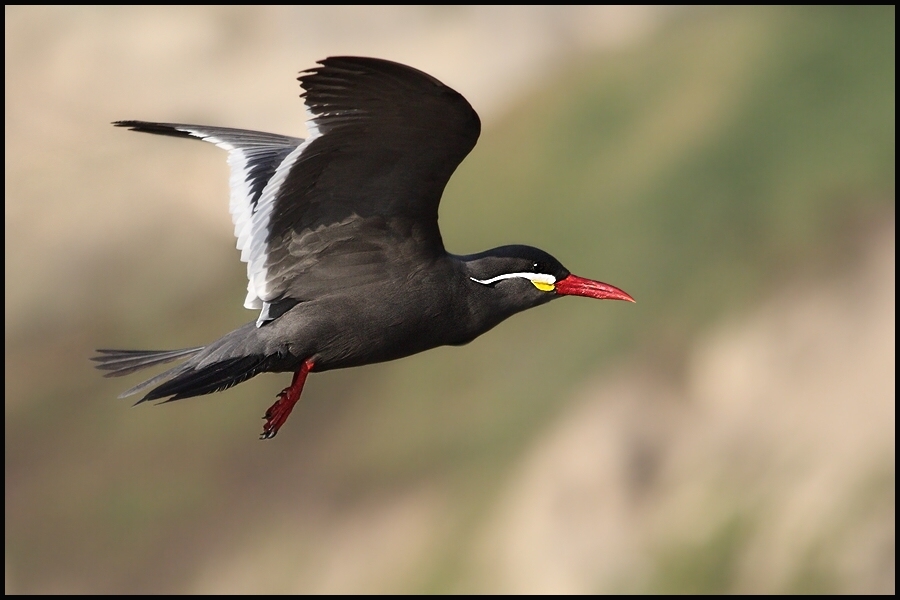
340	235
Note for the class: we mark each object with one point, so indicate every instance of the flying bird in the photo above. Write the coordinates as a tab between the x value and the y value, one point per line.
339	231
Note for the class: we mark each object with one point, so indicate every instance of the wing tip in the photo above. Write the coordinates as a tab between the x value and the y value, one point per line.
129	123
169	129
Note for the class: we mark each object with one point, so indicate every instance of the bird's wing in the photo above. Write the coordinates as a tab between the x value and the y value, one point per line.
363	189
359	194
253	157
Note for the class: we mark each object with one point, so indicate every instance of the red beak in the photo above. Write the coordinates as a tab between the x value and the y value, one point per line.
579	286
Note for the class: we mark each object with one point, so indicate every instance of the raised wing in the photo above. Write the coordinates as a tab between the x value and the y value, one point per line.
384	140
358	196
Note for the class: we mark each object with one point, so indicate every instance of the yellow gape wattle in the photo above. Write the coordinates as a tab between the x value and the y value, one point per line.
544	287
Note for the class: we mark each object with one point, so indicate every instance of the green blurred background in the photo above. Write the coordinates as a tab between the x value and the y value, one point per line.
731	168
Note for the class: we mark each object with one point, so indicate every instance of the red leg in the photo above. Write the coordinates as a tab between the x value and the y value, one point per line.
281	410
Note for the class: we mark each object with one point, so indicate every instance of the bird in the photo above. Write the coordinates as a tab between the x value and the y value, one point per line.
345	260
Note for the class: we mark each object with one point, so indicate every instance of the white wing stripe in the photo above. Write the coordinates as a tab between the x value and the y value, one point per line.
257	249
239	205
251	227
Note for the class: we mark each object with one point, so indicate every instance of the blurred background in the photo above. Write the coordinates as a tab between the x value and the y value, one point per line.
731	168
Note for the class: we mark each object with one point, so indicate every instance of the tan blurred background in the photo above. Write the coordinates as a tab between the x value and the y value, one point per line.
733	169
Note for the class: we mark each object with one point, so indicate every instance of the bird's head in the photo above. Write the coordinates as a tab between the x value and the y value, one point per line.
521	277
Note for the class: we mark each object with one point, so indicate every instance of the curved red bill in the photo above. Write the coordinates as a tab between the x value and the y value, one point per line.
579	286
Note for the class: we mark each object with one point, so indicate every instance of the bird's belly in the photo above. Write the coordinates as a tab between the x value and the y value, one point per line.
364	334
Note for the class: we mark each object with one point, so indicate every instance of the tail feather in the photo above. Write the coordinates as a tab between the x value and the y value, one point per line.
124	362
152	381
212	378
181	381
